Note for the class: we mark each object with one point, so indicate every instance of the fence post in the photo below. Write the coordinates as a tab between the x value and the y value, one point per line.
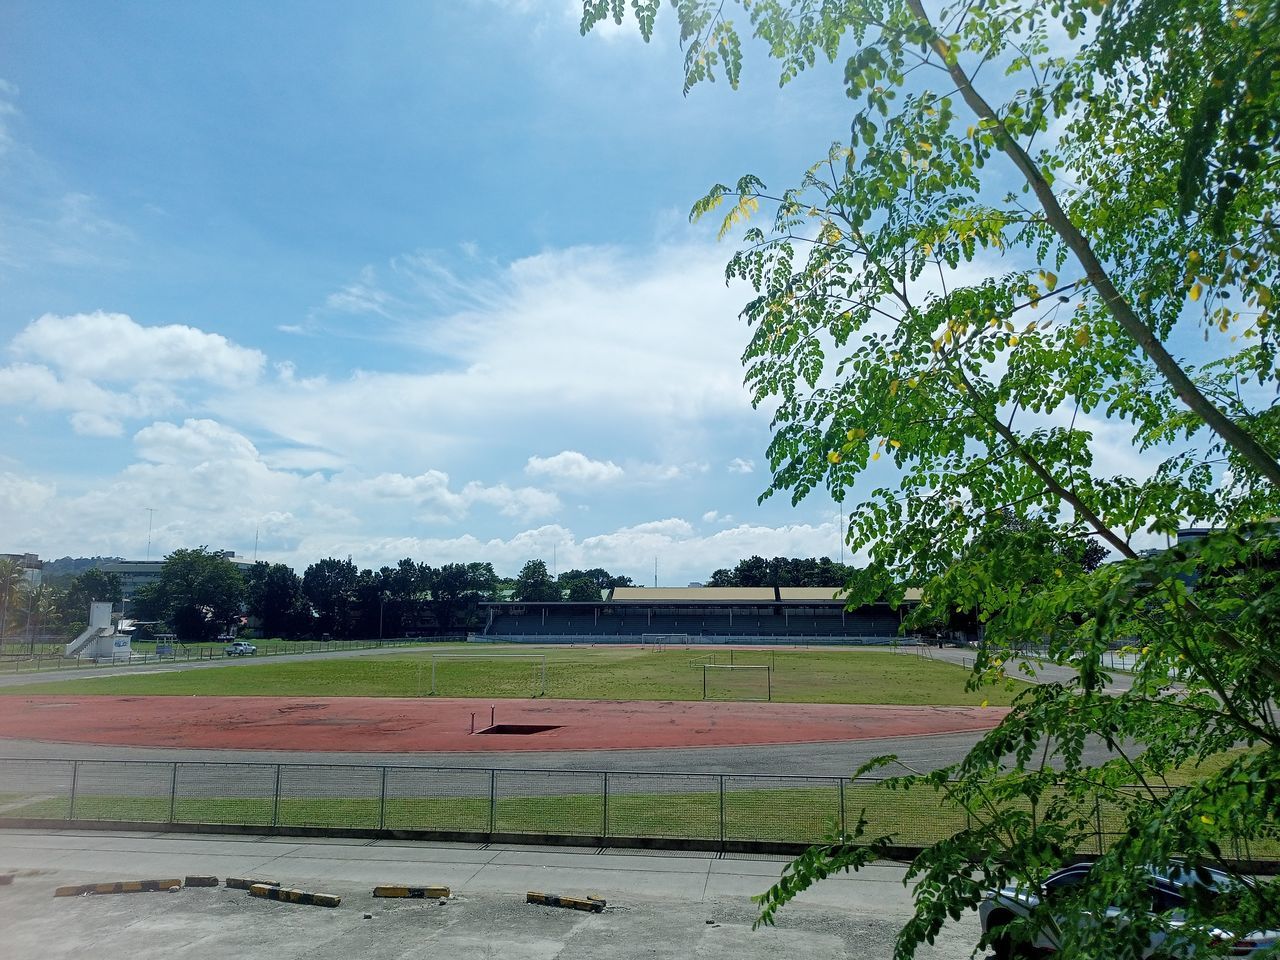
1097	812
173	792
75	775
604	817
844	827
493	800
275	800
721	810
382	802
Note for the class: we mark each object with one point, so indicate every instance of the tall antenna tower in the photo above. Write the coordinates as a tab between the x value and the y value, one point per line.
151	512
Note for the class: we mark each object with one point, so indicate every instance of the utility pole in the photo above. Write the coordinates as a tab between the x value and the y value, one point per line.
655	573
841	534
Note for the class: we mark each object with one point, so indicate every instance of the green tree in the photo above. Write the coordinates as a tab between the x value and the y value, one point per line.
85	588
1053	224
534	583
12	588
330	587
199	594
782	572
601	578
457	589
273	595
581	590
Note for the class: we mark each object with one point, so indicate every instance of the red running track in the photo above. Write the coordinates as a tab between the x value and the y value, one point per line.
385	725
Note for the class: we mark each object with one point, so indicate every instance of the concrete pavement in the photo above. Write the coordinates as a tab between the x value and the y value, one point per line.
660	905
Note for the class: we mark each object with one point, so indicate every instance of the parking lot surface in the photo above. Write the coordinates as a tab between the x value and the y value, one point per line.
659	905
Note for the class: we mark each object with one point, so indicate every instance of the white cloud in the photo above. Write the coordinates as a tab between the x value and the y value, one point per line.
8	108
23	496
90	424
112	347
573	467
739	465
195	442
93	410
430	490
565	343
104	368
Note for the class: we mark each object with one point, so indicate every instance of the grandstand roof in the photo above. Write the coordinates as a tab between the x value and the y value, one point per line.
811	593
692	594
833	594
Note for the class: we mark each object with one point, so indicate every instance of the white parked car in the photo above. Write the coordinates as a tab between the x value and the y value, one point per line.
240	649
1168	891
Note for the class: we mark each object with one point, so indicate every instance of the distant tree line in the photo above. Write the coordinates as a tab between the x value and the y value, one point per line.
201	595
783	572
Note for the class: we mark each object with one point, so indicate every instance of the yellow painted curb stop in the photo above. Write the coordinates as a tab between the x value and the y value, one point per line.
123	886
589	904
244	883
418	893
284	895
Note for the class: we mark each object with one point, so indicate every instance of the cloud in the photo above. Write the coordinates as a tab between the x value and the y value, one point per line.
562	344
739	465
112	347
8	108
195	442
23	496
90	424
430	490
94	411
573	467
105	368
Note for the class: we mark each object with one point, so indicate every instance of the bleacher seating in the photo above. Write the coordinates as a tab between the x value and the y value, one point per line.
628	623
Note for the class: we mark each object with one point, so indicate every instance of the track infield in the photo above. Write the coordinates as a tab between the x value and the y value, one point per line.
387	725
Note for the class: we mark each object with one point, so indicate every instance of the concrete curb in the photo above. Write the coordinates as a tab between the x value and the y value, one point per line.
200	882
283	895
415	893
588	904
123	886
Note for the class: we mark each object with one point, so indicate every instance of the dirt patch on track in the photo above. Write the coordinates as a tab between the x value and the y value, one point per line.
385	725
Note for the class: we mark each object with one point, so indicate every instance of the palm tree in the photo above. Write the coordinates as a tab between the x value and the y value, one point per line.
12	581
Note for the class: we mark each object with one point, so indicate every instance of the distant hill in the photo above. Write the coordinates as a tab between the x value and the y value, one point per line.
67	567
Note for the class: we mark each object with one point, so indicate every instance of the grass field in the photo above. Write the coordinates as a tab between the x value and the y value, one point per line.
796	815
574	673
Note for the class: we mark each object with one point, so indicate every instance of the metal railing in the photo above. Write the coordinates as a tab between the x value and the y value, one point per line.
576	806
695	640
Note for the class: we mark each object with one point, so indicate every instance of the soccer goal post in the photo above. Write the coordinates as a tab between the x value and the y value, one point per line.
723	681
537	663
660	641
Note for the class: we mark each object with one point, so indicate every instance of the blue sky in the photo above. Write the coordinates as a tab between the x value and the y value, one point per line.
383	280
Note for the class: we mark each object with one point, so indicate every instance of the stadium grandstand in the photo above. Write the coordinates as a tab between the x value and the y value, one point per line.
702	615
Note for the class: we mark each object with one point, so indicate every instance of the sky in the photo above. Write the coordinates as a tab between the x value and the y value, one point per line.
319	279
313	279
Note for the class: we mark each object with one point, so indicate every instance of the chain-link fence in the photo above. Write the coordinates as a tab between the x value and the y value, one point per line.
594	806
42	658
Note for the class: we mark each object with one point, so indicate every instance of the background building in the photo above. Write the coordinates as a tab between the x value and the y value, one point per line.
136	574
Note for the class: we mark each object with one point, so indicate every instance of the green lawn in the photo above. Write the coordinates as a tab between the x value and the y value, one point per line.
875	676
795	815
810	813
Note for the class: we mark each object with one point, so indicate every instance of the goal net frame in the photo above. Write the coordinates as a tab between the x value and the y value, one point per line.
768	680
660	641
540	667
